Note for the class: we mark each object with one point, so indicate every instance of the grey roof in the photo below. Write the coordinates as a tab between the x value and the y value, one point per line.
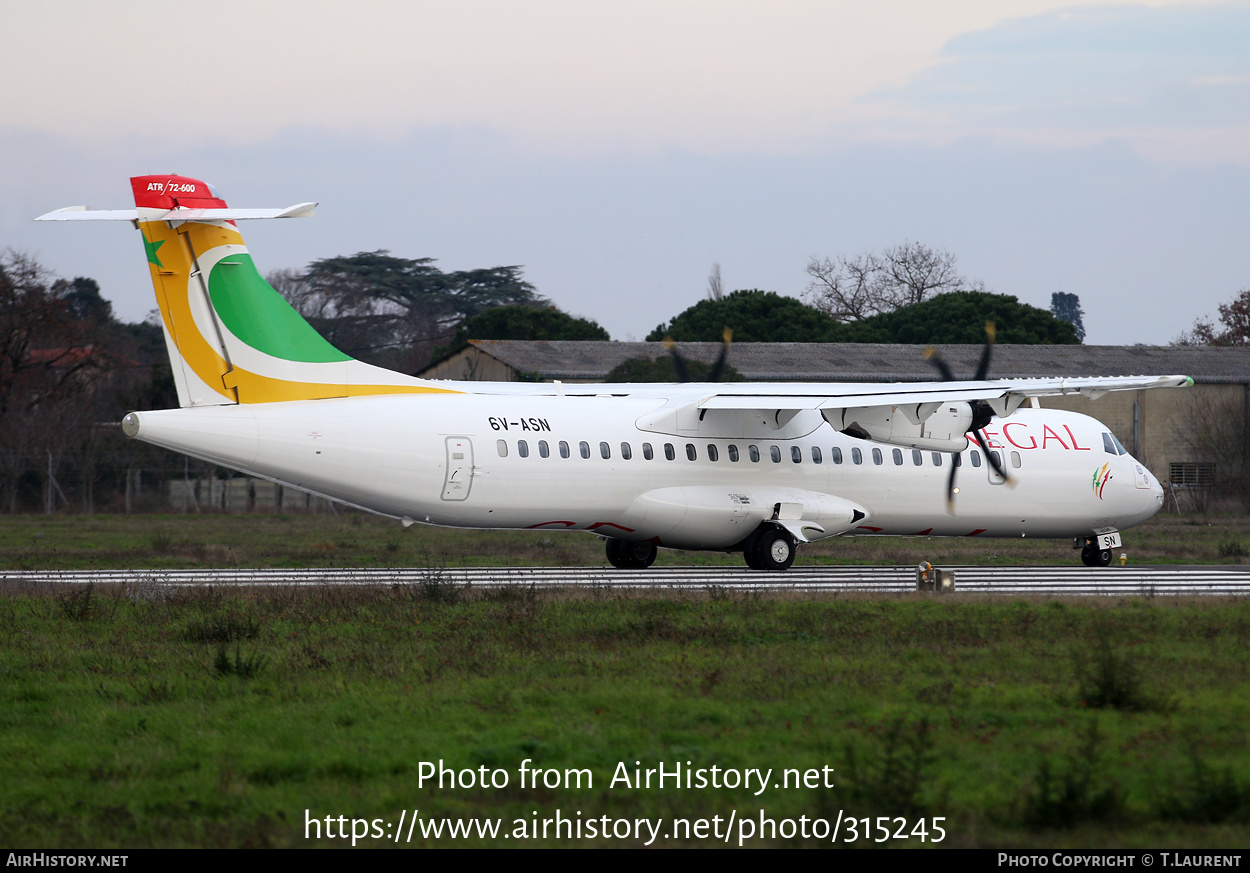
880	362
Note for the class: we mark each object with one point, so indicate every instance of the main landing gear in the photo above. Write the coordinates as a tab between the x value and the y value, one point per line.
770	548
630	556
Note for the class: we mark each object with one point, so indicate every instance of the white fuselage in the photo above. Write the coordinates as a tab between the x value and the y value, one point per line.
495	461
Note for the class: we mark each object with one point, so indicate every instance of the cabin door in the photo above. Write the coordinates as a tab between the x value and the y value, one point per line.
459	468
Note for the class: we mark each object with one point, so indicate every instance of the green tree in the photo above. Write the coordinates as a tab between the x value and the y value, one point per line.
754	316
1067	307
521	322
960	317
393	311
82	297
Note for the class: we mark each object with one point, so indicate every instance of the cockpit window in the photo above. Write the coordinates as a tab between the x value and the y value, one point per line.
1108	445
1119	445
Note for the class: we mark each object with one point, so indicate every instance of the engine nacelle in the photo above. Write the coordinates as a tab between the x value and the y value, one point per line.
940	427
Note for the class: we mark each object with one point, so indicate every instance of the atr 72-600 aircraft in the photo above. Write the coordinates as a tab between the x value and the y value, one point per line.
750	467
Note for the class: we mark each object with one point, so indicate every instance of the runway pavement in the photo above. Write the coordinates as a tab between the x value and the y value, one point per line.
1118	581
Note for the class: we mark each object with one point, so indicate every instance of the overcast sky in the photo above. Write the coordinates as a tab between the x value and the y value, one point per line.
618	149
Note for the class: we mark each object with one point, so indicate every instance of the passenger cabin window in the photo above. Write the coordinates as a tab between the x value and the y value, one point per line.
1015	459
976	457
712	454
877	457
816	458
898	457
836	454
754	452
564	449
937	458
605	451
647	451
523	448
584	448
691	454
733	453
857	457
669	451
626	451
917	457
796	454
775	453
544	450
997	459
502	447
957	460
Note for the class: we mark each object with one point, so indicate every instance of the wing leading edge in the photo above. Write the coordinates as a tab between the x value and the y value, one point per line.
1008	394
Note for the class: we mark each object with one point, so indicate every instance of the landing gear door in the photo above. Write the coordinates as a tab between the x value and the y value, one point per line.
459	468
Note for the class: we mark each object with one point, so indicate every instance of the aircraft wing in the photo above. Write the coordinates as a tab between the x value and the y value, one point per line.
842	395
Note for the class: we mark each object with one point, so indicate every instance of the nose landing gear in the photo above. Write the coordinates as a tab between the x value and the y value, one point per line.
1092	555
1096	557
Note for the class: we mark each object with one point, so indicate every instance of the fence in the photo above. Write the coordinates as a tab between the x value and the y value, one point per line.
145	479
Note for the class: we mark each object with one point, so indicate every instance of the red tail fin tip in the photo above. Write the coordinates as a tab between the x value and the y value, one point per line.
170	192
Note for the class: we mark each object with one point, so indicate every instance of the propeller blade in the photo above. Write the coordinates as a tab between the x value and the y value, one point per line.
991	456
951	490
679	363
984	368
719	367
931	355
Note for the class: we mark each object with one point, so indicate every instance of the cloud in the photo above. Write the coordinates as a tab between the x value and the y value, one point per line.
554	76
1173	82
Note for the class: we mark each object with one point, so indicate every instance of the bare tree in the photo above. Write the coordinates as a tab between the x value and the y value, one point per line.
846	288
1233	328
715	289
297	291
1215	434
916	272
850	287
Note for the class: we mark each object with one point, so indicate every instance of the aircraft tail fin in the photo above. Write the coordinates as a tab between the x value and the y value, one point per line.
231	337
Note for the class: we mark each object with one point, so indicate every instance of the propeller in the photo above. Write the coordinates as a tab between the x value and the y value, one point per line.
718	368
981	415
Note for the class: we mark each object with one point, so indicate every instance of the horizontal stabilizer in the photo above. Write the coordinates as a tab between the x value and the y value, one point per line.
82	213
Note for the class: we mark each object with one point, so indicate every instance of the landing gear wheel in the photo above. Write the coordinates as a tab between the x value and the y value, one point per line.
773	550
748	551
630	556
1096	557
616	554
643	554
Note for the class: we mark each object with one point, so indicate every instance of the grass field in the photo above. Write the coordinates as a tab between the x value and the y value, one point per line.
142	717
358	540
217	717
